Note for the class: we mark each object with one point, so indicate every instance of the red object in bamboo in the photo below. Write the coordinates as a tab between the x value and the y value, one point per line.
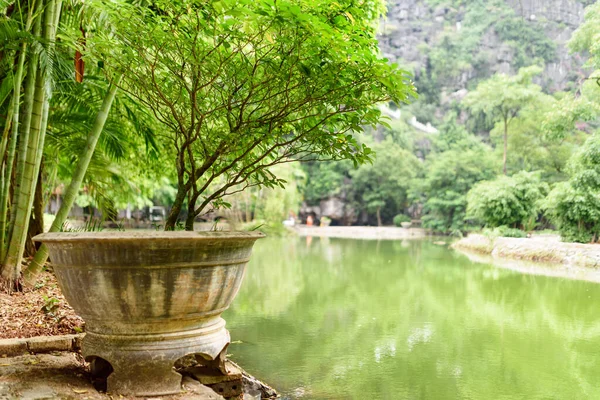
79	63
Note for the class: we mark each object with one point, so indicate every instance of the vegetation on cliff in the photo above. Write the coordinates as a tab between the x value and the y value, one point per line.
505	118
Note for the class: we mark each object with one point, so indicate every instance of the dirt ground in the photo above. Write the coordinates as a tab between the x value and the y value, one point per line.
40	310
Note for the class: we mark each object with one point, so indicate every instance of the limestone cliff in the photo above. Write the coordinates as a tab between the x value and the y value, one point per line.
476	38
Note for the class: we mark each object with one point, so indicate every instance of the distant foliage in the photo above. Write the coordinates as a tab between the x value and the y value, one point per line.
378	188
459	161
513	120
507	201
585	38
574	206
560	121
326	179
528	40
381	187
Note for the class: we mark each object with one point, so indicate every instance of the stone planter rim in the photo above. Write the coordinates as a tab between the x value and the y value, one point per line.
147	235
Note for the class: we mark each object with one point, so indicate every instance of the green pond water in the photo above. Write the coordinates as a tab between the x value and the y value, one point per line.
352	319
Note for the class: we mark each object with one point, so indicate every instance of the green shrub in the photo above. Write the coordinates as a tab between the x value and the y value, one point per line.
575	211
511	201
400	218
505	231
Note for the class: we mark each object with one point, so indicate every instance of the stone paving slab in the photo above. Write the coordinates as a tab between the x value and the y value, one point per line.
50	367
63	376
40	344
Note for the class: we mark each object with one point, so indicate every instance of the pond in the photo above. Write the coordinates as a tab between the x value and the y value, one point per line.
351	319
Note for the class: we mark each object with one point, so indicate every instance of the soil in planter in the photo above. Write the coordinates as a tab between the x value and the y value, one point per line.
40	310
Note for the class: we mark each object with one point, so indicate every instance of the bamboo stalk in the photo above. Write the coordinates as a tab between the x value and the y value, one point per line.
12	144
21	132
33	153
71	193
7	128
24	131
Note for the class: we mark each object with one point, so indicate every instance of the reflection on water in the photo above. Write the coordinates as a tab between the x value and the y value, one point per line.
351	319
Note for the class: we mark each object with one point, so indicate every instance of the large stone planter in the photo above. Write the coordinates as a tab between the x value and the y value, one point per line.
149	298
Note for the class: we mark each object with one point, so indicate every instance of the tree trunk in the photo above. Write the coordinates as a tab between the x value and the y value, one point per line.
7	127
176	209
379	216
28	182
505	145
247	201
7	172
80	170
191	217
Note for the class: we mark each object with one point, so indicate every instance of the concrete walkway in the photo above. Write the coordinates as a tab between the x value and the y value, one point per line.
362	232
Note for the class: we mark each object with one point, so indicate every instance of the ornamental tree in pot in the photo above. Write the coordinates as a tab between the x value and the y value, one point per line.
240	86
237	87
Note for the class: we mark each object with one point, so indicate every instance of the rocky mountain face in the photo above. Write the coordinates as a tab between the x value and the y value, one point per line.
484	36
452	45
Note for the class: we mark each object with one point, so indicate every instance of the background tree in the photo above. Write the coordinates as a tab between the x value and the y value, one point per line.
326	180
268	207
573	206
502	97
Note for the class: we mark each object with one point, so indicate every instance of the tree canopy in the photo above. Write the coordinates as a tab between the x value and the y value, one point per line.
248	85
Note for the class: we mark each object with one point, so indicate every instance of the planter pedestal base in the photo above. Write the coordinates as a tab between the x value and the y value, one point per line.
142	365
149	299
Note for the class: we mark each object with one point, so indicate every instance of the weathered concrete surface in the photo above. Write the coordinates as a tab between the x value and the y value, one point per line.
536	268
362	232
46	344
537	249
149	299
13	347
